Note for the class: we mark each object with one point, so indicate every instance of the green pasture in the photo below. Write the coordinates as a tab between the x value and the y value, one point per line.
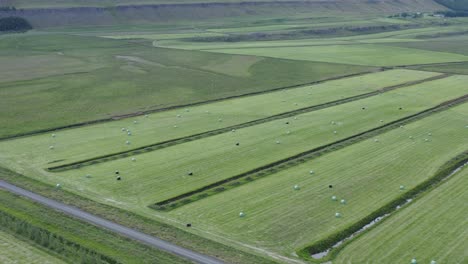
86	78
82	143
432	228
366	175
162	174
362	54
16	251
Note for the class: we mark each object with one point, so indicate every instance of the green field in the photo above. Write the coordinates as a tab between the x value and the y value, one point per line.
73	145
217	157
362	54
280	219
432	228
15	251
240	118
117	70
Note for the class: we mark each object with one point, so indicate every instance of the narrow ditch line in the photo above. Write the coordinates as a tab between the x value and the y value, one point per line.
165	144
139	113
445	173
260	172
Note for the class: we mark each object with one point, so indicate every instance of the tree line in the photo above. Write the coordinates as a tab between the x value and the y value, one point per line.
14	24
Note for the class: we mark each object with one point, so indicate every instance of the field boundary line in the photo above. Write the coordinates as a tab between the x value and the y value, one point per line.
331	245
274	167
172	142
151	111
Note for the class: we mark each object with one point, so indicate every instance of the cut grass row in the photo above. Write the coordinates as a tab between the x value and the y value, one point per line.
63	235
14	250
74	145
367	175
160	145
431	228
268	169
163	174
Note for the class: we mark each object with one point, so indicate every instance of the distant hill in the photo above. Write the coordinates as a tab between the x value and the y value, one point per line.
52	13
455	4
108	3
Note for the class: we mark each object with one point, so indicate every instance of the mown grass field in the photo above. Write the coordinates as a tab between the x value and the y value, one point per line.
123	68
432	228
367	175
14	250
77	144
215	158
118	70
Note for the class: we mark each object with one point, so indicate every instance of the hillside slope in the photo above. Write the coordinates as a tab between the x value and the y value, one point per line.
50	13
455	4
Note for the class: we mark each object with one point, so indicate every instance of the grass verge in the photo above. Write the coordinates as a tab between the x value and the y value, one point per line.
129	219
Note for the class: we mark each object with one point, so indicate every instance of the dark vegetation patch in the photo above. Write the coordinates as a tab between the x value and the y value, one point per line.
14	24
304	33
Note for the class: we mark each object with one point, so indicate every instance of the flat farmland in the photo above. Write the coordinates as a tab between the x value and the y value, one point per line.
162	174
247	131
85	78
366	175
362	54
16	251
78	144
432	228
